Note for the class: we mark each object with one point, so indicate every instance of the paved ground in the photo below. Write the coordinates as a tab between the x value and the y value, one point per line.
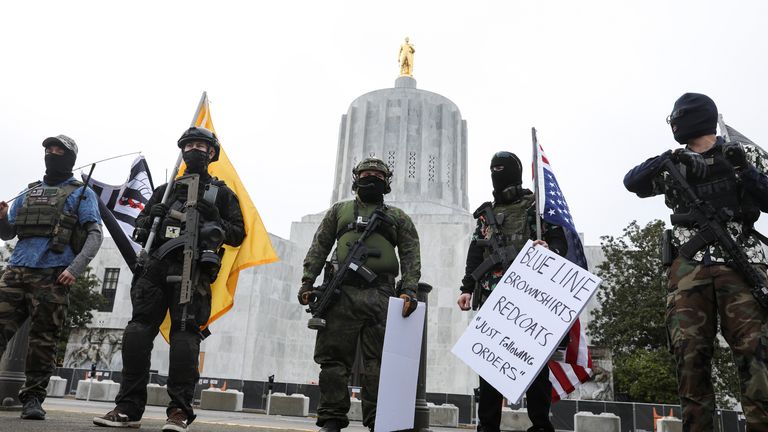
69	415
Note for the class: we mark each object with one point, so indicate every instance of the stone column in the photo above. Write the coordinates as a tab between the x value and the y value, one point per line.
12	375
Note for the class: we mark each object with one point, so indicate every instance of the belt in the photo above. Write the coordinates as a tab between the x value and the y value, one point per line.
354	280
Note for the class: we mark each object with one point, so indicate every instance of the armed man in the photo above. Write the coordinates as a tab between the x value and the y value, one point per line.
366	231
503	228
201	214
59	229
716	264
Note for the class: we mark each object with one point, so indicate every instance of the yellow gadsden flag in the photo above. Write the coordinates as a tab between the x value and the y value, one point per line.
256	248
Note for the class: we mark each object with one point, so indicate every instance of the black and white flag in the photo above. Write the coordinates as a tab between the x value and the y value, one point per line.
120	205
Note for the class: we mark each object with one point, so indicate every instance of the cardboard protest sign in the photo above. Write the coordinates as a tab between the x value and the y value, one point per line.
521	323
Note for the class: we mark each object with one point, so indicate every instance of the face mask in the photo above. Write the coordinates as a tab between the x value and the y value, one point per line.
371	189
58	167
197	161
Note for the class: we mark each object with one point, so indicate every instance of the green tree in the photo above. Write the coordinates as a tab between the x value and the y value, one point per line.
84	298
631	321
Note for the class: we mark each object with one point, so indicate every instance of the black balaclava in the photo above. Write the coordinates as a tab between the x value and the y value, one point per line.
197	162
693	115
58	167
371	189
506	183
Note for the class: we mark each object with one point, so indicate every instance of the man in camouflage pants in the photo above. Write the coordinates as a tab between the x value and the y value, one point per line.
44	263
701	287
361	308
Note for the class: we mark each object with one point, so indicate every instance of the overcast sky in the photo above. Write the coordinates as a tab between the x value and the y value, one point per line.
597	79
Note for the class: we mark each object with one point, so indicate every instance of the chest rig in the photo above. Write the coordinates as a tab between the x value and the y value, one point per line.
721	188
174	223
352	219
512	224
42	214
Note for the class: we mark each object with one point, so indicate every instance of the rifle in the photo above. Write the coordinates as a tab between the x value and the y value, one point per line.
712	229
332	279
189	273
500	253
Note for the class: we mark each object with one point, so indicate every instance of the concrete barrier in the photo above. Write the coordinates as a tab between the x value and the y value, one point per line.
57	387
604	422
669	424
157	395
355	410
515	420
443	415
296	405
104	390
217	400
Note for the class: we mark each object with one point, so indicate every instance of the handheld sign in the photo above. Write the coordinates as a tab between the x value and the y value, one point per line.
522	322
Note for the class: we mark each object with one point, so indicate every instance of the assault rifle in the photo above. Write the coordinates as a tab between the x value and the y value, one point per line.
355	262
189	273
499	254
711	225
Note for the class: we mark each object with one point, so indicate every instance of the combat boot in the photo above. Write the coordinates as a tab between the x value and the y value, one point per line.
32	410
330	426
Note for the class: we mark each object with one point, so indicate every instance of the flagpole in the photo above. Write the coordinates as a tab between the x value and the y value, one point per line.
723	128
536	181
143	255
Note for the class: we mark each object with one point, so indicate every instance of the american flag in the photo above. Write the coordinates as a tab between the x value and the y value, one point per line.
120	205
566	375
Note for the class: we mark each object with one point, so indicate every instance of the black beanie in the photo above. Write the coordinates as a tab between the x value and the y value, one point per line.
693	115
511	175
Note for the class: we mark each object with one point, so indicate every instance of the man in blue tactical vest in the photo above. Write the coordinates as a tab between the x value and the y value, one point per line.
197	232
59	229
511	218
360	309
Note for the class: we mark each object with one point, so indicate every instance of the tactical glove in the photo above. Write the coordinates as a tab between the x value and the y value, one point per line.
736	155
209	211
409	302
305	293
692	160
158	210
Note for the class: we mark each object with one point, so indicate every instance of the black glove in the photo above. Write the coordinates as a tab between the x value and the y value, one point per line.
208	211
736	155
158	210
305	293
692	160
409	302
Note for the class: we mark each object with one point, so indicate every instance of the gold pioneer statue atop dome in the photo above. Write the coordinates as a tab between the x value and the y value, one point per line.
406	58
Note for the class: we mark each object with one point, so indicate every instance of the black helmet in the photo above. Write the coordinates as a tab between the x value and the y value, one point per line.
197	133
693	115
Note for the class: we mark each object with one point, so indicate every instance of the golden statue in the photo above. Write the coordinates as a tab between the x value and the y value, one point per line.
406	58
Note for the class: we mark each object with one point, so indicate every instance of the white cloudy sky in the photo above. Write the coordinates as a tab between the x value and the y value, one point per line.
596	78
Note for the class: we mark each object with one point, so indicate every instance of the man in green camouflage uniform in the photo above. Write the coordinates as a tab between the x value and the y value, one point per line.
361	308
701	287
45	262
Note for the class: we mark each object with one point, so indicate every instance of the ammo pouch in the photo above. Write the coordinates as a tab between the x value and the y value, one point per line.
668	250
63	233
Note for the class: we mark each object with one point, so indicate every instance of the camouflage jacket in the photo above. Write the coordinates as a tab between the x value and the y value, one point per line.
406	240
647	180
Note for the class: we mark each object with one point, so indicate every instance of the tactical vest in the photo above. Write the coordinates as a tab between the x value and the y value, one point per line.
350	221
515	224
42	215
721	189
172	227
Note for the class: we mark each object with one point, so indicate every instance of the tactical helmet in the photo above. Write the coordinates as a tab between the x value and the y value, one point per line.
62	141
693	115
197	133
372	164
